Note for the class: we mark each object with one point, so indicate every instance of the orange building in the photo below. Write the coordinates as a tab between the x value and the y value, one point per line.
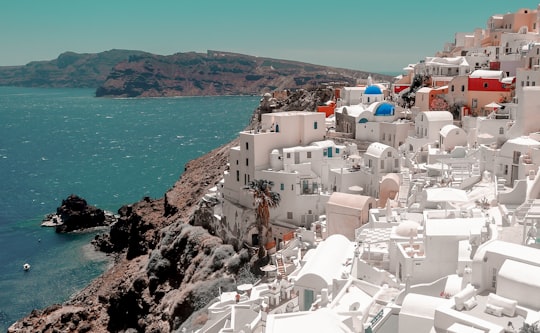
327	109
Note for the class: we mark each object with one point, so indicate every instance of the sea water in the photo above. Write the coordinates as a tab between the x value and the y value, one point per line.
57	142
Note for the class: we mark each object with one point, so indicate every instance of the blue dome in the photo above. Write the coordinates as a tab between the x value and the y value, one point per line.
385	109
373	90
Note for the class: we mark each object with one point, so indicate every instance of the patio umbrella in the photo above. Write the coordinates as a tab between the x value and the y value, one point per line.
492	105
268	268
356	189
485	136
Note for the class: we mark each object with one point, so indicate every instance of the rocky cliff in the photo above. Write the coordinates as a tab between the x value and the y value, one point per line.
166	270
218	73
127	73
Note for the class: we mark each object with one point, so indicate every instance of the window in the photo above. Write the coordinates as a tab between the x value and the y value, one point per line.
247	161
289	216
396	163
337	150
382	164
237	175
501	130
485	84
315	125
452	88
308	154
517	155
236	162
389	154
288	155
247	146
474	103
462	87
506	169
282	186
384	136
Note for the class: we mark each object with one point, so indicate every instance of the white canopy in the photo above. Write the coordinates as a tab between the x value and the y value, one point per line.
446	194
492	105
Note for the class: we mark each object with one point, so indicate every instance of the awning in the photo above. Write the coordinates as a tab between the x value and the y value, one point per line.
446	194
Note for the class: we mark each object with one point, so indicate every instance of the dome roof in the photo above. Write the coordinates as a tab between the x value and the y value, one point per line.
373	90
385	109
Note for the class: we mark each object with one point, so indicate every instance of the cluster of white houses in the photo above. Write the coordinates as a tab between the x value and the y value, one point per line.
400	219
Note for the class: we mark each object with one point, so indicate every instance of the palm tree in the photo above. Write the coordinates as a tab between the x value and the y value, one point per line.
263	199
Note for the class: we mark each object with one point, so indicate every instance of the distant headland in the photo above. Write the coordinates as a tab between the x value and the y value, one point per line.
128	73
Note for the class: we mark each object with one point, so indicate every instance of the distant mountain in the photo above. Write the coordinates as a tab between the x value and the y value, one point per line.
218	73
70	69
125	73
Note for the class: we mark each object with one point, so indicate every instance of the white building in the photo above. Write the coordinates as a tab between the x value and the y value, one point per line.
427	129
451	137
347	212
515	159
325	263
378	174
256	153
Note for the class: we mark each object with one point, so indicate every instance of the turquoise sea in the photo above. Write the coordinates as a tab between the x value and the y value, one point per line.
55	142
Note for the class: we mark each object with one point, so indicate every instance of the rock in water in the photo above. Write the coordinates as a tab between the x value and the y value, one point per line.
76	214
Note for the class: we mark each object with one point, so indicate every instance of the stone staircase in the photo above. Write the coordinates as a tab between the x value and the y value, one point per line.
280	265
476	170
404	187
500	184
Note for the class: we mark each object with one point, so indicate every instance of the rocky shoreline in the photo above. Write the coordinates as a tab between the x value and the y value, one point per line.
121	299
165	268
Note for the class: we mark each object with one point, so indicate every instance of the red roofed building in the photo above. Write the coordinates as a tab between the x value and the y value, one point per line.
487	86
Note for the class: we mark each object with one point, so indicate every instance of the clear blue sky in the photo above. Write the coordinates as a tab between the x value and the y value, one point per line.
371	35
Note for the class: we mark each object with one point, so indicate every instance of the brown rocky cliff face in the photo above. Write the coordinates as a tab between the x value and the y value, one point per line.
141	291
164	269
128	73
218	73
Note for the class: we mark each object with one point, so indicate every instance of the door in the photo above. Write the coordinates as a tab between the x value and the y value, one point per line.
308	299
514	175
